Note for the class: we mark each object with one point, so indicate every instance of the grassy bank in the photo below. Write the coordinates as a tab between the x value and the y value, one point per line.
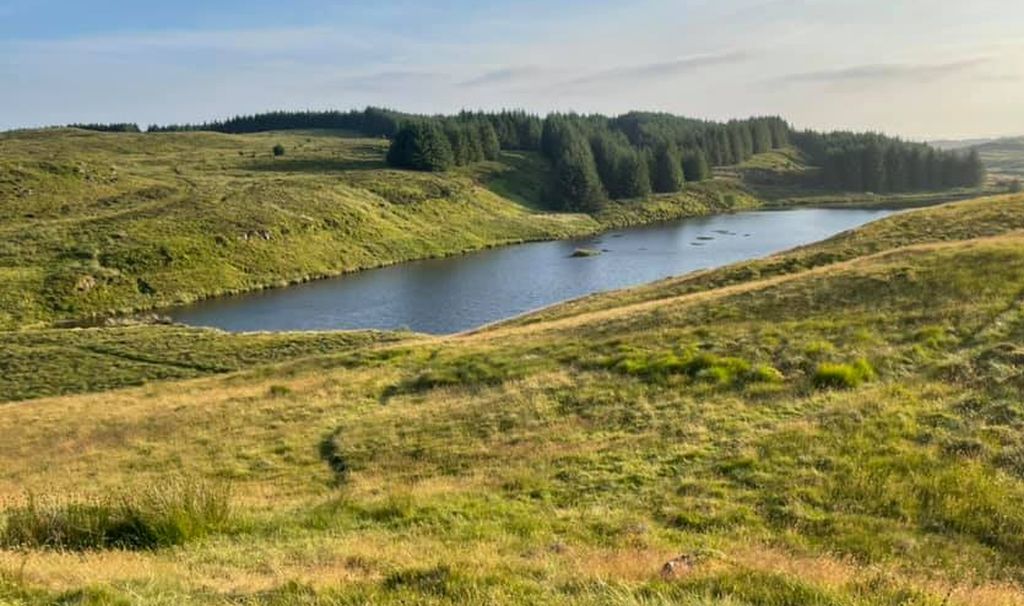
840	424
93	224
52	362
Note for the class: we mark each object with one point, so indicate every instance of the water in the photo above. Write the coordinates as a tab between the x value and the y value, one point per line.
458	293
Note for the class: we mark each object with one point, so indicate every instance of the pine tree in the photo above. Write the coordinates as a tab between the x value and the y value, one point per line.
421	145
577	183
736	145
632	177
489	144
605	153
667	172
872	169
762	136
975	170
695	165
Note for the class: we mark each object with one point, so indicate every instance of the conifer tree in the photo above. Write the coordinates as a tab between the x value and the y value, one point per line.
695	166
632	177
667	172
577	183
421	145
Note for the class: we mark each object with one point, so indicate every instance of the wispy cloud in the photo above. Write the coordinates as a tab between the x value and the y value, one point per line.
410	80
505	75
906	72
236	41
665	69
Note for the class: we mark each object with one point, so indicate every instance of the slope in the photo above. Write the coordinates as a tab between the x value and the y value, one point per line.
94	224
840	427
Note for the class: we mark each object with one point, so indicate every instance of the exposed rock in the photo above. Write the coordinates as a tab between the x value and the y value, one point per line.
85	284
145	319
679	567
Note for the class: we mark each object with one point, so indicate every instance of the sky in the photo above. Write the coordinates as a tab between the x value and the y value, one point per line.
922	69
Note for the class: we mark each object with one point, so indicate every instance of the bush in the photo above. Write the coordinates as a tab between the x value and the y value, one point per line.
705	367
278	150
171	513
763	373
279	391
843	376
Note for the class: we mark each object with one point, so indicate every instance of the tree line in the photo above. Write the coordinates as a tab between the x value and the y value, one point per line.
595	158
437	144
875	163
117	127
372	121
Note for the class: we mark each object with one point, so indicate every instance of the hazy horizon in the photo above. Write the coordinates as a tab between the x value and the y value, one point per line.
918	69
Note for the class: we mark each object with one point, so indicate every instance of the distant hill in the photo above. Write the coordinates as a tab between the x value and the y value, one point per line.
953	144
1003	157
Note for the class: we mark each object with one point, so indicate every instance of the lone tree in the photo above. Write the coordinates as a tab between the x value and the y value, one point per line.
278	150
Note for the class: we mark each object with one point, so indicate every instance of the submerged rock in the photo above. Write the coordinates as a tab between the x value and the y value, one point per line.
585	252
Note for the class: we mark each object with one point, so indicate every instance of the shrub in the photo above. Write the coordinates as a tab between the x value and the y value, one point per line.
706	367
763	373
278	150
278	391
171	513
843	376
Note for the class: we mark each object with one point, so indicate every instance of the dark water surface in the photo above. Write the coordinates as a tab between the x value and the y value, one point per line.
458	293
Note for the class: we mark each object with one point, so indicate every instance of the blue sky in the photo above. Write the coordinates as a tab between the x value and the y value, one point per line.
919	68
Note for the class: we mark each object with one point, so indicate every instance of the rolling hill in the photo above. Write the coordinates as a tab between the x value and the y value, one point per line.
94	224
838	424
1004	157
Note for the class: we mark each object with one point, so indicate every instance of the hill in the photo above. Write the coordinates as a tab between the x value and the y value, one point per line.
1004	157
95	223
839	424
951	144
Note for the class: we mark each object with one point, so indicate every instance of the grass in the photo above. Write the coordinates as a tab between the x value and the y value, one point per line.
565	458
843	376
52	362
171	513
837	424
978	218
95	224
1004	157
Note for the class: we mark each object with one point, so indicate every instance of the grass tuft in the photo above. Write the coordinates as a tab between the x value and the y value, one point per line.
171	513
843	376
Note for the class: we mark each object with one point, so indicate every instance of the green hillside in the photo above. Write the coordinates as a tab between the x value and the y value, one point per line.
37	363
98	223
836	425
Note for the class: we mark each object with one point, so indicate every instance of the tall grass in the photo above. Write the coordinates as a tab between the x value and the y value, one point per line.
172	512
843	376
